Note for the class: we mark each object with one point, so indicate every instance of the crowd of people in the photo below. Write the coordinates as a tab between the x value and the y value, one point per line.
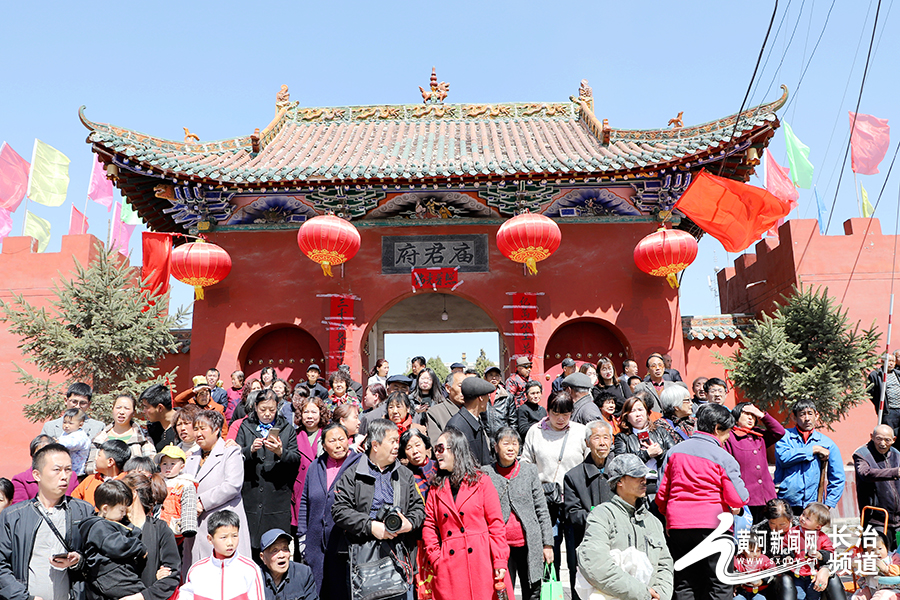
410	487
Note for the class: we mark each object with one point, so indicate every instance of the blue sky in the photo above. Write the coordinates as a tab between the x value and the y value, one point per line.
216	67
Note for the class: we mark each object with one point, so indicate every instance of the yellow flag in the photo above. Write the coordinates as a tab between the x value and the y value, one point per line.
866	205
49	176
37	228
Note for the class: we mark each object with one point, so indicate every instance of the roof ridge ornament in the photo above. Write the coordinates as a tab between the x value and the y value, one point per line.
677	122
438	93
283	99
586	94
188	136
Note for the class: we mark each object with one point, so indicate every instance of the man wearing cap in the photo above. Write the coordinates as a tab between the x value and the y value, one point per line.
516	383
316	389
568	367
618	524
468	420
284	578
585	411
398	383
457	367
501	410
439	414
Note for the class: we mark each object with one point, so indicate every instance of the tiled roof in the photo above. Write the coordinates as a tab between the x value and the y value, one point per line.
715	327
377	144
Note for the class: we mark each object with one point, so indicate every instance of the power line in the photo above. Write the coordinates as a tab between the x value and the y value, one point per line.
809	62
786	48
787	9
737	117
862	87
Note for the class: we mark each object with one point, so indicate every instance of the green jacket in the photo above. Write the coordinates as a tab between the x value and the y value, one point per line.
618	525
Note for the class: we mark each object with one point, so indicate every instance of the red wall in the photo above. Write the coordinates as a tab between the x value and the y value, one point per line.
803	256
592	275
24	271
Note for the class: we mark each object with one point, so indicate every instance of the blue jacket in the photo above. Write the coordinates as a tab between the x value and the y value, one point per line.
797	469
297	584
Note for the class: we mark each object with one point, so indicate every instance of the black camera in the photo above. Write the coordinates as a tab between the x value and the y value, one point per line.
390	516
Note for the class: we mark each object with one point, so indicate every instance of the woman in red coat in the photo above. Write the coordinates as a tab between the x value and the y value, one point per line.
464	532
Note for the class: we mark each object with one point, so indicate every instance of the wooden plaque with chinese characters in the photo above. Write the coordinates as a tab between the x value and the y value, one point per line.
402	253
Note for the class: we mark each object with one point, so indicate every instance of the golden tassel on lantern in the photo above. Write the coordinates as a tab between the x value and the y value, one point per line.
198	292
673	280
531	263
326	268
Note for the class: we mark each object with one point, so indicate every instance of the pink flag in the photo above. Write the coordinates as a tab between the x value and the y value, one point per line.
868	142
5	223
101	188
78	223
13	178
778	181
121	232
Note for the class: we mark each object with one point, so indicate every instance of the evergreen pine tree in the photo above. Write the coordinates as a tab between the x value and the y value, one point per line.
99	329
805	350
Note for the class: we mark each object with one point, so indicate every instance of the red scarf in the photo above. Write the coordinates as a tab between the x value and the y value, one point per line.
746	431
405	424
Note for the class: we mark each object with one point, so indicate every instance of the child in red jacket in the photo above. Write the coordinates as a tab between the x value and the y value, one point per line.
812	579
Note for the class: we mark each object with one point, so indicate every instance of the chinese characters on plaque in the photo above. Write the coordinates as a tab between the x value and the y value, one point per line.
339	321
403	253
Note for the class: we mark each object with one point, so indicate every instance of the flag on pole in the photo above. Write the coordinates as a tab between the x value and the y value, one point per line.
100	189
5	223
121	232
798	158
78	223
867	209
37	228
778	181
157	261
869	142
49	176
820	207
129	217
13	178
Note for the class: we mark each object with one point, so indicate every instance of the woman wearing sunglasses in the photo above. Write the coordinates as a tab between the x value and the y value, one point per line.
464	531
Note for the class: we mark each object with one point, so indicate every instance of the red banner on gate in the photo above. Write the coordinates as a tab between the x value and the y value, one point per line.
437	277
524	309
339	322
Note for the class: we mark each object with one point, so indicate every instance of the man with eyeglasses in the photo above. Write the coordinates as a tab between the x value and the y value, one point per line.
877	467
77	396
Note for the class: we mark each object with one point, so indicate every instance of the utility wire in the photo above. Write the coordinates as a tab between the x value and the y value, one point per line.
862	87
737	117
765	63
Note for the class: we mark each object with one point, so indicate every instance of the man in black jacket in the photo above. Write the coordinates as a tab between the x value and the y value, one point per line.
285	579
585	486
470	419
365	492
878	481
39	540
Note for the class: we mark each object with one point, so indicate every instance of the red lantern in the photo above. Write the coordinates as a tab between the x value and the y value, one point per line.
328	240
200	264
528	238
665	253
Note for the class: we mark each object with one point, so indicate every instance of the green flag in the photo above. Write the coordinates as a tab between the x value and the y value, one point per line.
49	177
798	157
37	228
129	217
866	205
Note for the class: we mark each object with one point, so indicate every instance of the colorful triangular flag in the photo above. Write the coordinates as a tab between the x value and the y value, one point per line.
820	208
37	228
78	223
869	142
13	178
129	216
49	177
100	189
867	209
5	223
121	232
798	158
778	180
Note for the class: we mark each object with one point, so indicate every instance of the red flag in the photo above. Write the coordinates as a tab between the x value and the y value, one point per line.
78	223
778	181
868	142
13	178
734	213
157	261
